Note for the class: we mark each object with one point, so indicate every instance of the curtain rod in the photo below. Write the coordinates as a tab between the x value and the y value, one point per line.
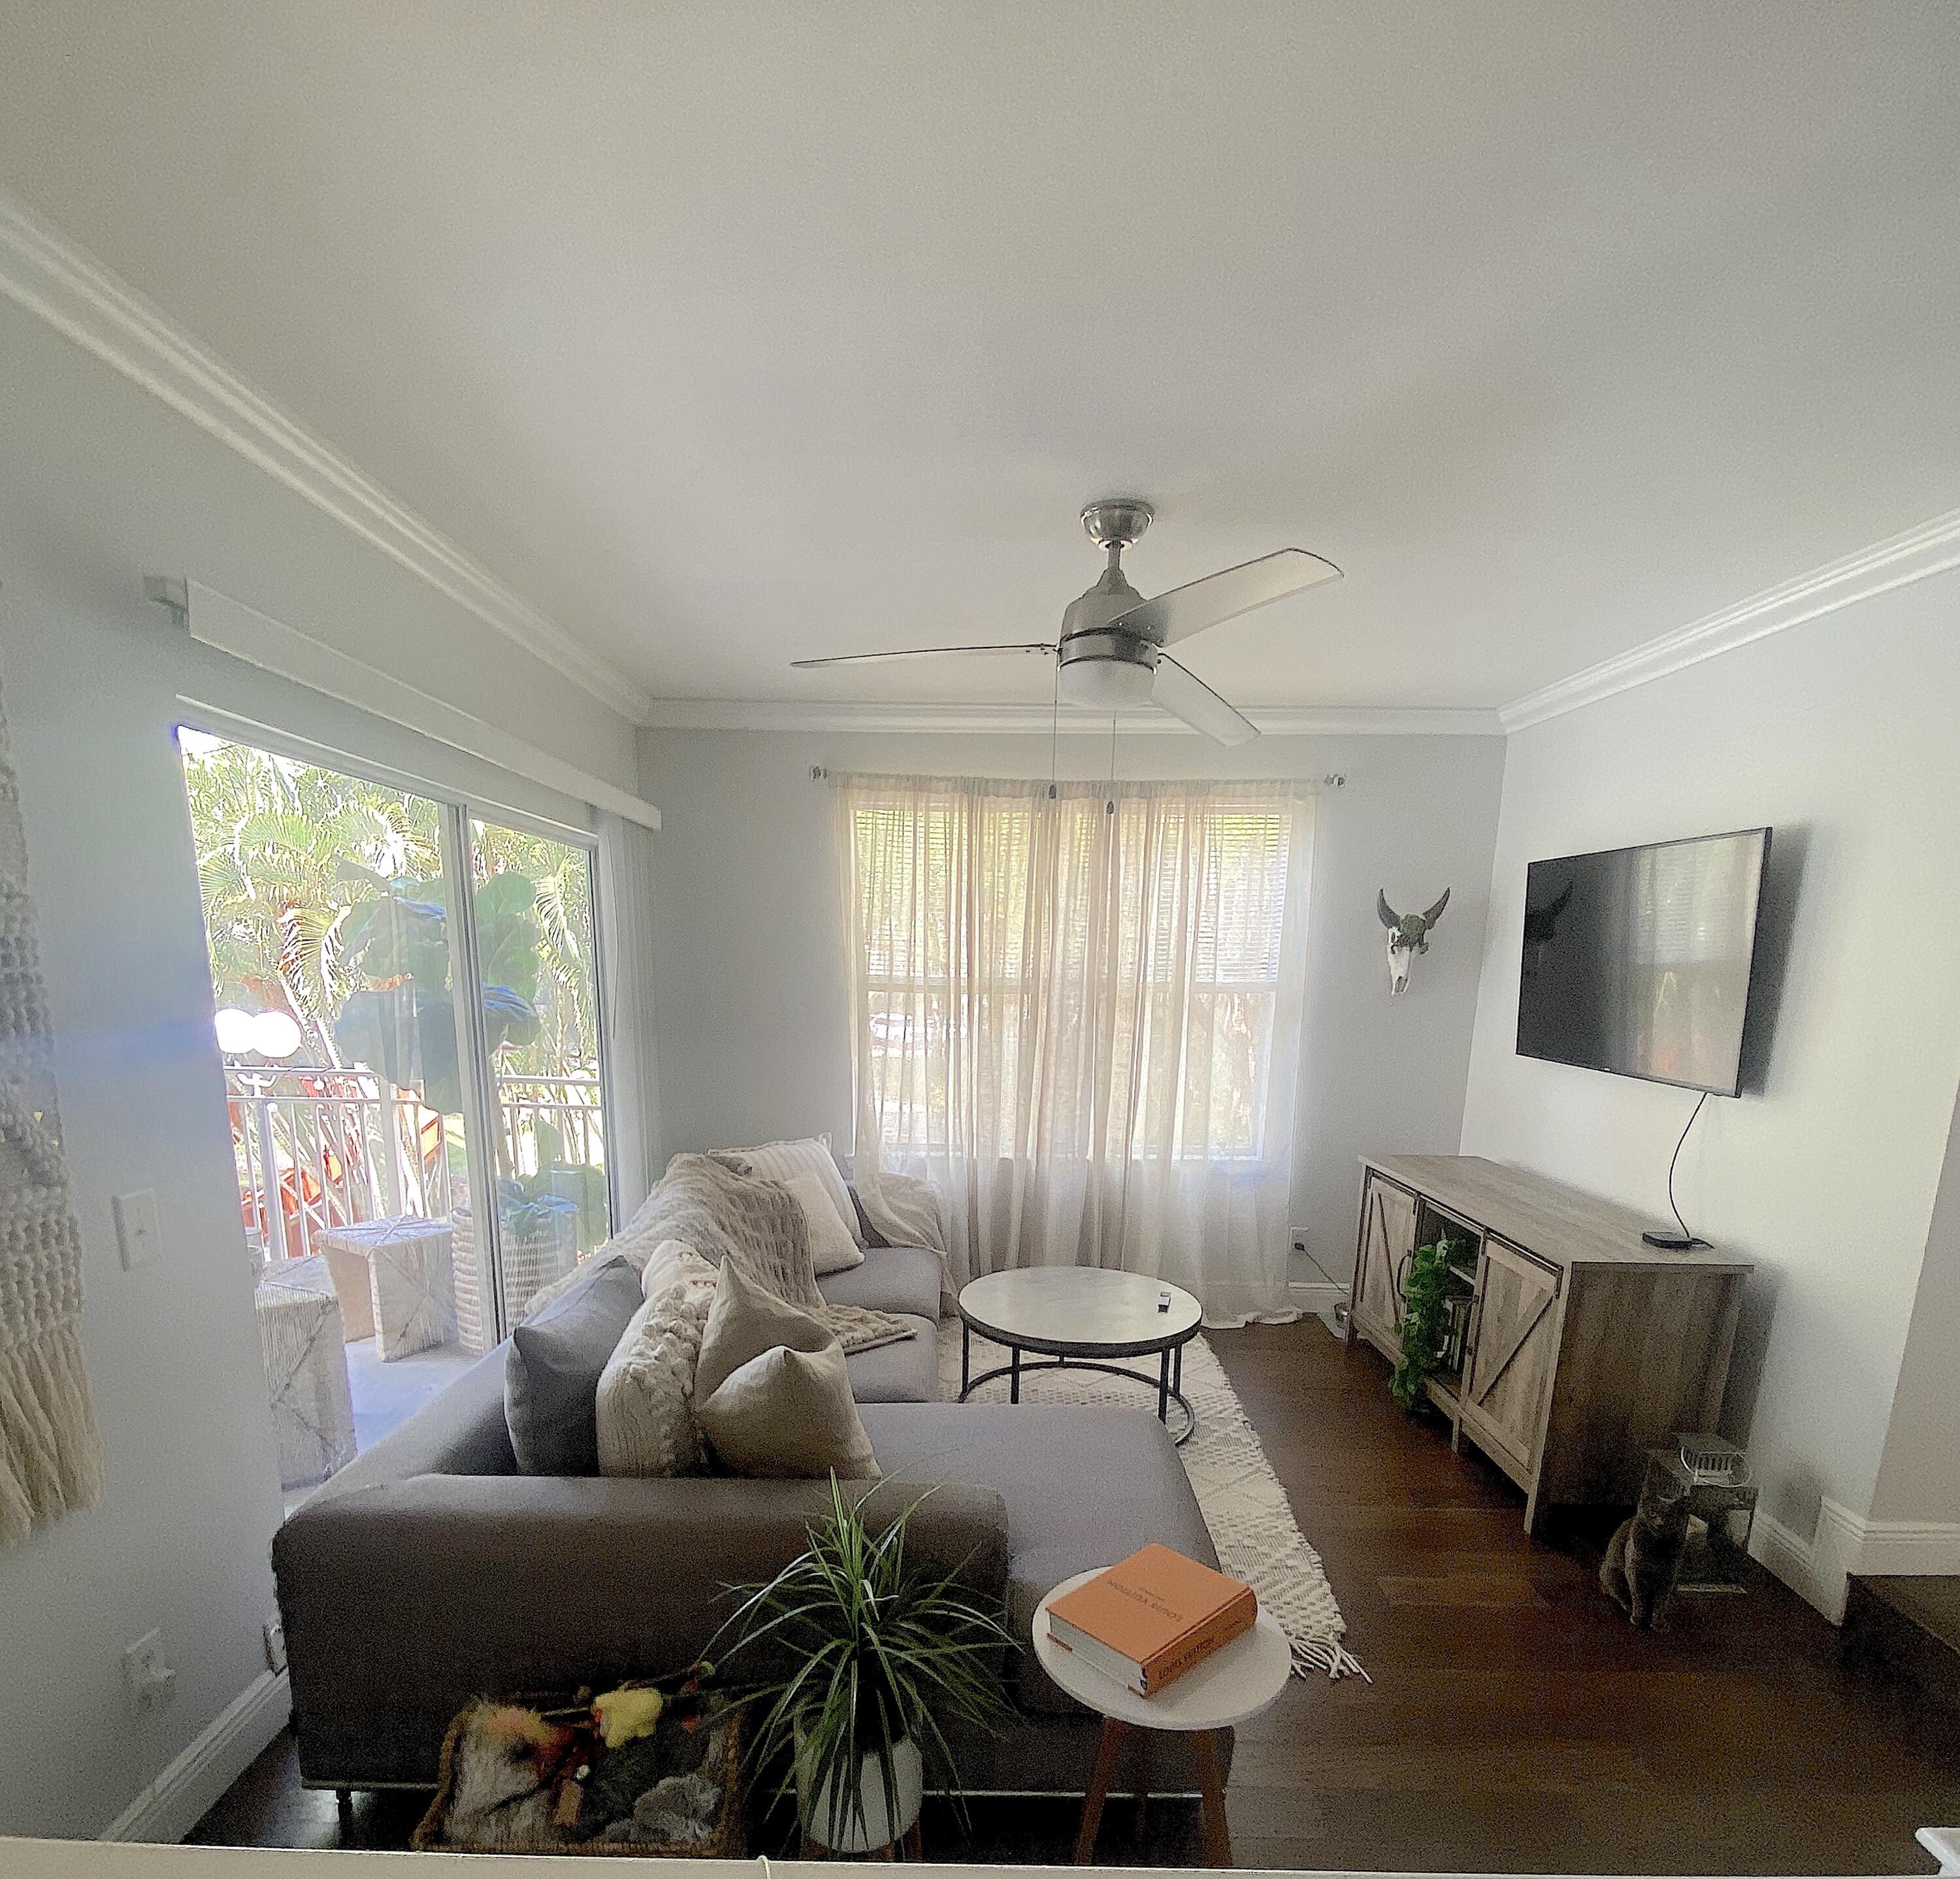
1333	779
216	620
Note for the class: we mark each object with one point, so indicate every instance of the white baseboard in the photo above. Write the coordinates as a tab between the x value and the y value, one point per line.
1314	1297
179	1797
1912	1548
1819	1569
1787	1554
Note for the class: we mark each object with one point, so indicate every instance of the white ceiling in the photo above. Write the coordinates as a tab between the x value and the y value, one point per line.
728	334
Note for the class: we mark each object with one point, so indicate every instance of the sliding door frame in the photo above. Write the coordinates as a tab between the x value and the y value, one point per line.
588	842
456	810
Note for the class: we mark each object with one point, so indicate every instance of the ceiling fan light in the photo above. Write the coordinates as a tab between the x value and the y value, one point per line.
1105	684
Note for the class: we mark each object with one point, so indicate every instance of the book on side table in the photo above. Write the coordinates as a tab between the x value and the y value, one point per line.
1149	1620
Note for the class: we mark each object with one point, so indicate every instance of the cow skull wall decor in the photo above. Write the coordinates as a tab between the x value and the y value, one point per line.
1408	934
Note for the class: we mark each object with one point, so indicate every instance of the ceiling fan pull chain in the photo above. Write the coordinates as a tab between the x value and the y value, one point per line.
1054	730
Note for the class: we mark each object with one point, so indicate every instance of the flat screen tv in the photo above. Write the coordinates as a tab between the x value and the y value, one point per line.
1637	960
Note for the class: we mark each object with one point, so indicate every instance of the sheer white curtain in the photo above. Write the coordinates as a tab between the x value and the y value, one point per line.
1078	1016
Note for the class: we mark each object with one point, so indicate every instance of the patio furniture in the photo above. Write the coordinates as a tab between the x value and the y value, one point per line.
348	1265
303	1346
403	1270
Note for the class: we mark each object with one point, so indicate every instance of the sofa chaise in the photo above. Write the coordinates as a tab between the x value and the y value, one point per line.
430	1570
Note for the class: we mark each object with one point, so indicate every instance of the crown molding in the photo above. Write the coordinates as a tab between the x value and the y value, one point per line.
1040	720
49	275
1931	548
42	271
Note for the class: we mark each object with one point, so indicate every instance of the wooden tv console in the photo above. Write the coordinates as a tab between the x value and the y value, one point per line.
1586	1348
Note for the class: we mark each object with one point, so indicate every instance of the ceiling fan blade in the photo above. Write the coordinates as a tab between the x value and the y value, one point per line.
1184	611
917	651
1200	708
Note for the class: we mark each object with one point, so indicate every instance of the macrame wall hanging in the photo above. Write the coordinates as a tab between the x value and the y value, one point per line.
50	1453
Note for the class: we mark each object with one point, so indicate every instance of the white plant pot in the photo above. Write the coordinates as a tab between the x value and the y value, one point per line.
908	1772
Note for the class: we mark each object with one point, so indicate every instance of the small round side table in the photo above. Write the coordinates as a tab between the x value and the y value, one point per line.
1230	1686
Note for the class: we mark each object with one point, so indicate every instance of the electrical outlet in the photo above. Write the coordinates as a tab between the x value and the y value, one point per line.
275	1645
151	1682
1300	1239
139	1233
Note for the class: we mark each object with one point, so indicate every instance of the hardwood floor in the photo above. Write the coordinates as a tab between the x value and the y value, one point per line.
1516	1722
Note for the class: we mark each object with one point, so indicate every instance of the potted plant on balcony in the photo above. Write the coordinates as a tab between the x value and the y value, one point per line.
858	1655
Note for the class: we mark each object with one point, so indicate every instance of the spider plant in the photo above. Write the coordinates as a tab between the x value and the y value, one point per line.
859	1647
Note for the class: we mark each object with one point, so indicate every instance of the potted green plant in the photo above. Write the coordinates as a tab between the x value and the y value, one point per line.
858	1654
1424	1325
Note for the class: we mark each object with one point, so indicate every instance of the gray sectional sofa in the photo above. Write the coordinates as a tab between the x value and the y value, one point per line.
430	1570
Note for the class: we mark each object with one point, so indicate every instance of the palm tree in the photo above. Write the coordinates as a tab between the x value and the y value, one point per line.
285	853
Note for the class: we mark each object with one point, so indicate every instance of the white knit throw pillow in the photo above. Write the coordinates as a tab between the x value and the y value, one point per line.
831	1249
644	1408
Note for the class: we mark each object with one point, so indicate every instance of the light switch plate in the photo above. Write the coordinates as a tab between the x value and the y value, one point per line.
139	1232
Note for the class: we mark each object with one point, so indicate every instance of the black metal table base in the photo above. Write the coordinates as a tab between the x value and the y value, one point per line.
1168	1384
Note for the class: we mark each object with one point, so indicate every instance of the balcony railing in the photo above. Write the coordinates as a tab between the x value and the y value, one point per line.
318	1149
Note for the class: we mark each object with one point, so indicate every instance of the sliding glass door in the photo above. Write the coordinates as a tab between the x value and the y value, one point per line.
533	943
407	999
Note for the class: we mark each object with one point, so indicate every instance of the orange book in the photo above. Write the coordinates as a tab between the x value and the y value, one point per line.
1148	1620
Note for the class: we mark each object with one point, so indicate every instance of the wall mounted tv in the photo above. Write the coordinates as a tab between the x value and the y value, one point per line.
1637	960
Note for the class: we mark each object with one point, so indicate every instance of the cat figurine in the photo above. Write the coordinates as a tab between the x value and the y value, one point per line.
1643	1562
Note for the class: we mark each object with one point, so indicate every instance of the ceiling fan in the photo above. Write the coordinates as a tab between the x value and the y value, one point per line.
1111	653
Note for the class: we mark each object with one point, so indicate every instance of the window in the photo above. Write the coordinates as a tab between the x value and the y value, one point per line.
1111	958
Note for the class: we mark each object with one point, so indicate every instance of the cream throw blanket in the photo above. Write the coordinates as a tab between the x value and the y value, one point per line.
50	1453
710	1202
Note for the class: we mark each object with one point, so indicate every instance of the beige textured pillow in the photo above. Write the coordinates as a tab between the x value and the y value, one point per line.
784	1161
746	1320
644	1406
789	1413
832	1248
672	1263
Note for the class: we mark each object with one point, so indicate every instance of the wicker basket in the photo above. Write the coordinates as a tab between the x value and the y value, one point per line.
727	1841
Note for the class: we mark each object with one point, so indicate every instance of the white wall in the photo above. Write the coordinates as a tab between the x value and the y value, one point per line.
748	968
99	485
1842	733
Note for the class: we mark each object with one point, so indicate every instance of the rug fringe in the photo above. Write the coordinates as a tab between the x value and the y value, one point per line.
1326	1656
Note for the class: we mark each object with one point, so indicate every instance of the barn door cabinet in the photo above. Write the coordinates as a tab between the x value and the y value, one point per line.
1585	1347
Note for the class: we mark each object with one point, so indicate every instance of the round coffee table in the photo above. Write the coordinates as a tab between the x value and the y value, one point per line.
1234	1684
1079	1318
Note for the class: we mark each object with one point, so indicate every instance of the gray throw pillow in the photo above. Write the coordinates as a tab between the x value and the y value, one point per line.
552	1367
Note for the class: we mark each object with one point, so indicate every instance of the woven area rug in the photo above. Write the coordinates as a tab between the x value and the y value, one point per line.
1244	1506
